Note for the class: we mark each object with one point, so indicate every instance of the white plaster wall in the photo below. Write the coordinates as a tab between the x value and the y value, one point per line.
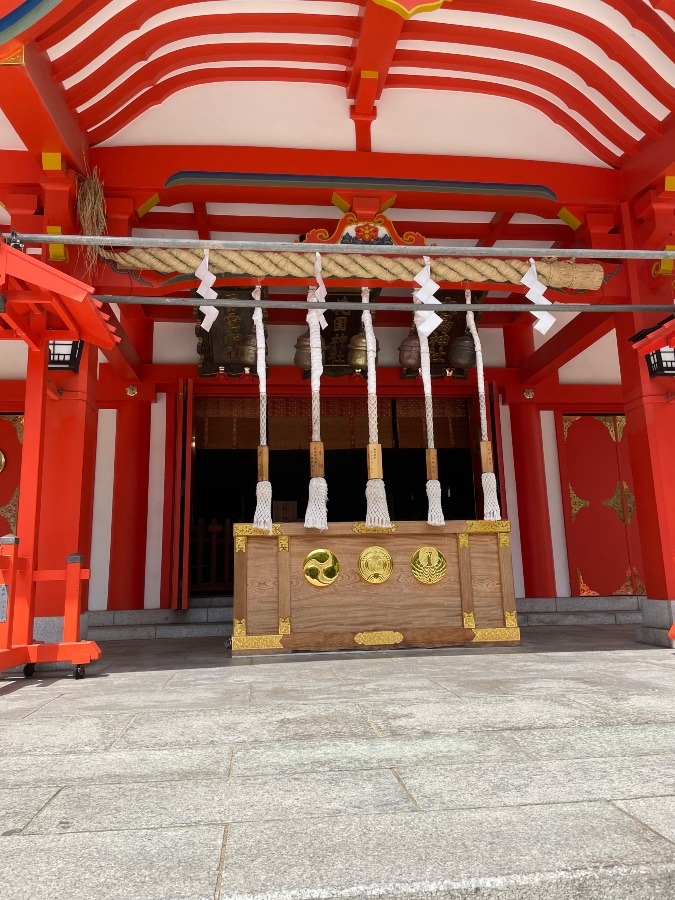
174	343
598	364
555	505
102	518
153	558
511	499
13	359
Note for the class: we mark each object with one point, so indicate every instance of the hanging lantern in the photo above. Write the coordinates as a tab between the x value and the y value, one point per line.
303	356
657	345
462	352
247	351
409	351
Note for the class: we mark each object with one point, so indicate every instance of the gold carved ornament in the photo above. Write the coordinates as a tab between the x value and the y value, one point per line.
584	589
362	528
284	543
3	461
510	618
321	567
468	620
622	502
568	421
576	503
488	526
10	511
377	638
243	531
375	565
243	641
608	422
463	541
504	539
494	635
428	565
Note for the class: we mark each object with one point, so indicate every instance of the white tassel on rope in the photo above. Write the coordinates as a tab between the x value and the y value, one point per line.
263	510
426	323
490	496
316	515
377	512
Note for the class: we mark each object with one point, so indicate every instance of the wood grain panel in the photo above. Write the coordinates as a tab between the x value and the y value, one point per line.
263	586
486	580
352	603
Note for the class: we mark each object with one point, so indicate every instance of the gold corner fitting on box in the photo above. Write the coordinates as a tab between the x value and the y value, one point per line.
494	635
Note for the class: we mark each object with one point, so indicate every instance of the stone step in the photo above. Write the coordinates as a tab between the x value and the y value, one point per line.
223	601
152	632
580	618
615	610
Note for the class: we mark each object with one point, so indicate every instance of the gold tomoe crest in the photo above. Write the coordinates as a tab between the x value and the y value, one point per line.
321	567
428	565
375	565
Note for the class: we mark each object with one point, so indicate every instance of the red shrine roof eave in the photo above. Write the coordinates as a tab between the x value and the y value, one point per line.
55	294
662	335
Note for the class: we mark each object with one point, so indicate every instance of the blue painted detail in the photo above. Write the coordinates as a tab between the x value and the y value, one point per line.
339	182
24	15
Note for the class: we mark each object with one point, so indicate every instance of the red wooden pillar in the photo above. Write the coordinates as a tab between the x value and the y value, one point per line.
530	472
30	490
69	456
126	585
650	428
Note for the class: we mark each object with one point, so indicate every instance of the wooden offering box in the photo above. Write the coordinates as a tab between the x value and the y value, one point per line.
351	587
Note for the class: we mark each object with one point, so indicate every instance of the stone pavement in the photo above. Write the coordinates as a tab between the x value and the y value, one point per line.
170	772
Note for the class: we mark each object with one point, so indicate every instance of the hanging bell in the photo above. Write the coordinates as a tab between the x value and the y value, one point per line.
303	354
247	351
357	354
409	351
462	352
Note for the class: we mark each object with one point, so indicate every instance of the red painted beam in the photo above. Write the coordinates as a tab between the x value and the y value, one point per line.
160	92
496	89
37	110
570	341
593	74
146	169
128	21
379	34
652	163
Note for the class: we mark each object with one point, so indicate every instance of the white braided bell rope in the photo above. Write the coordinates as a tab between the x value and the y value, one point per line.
262	518
426	323
377	511
316	515
491	508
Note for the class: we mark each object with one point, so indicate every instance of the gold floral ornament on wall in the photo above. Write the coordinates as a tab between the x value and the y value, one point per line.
577	503
3	461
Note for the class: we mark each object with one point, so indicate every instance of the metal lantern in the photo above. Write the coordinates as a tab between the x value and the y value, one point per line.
65	355
661	362
462	352
409	351
657	345
247	351
303	352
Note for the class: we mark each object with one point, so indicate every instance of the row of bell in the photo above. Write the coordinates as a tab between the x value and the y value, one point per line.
461	353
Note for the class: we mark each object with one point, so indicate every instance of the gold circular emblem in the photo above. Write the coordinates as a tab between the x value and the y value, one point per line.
321	567
428	565
2	460
375	564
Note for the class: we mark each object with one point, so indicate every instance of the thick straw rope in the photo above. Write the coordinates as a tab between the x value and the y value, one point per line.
262	517
490	498
377	511
257	264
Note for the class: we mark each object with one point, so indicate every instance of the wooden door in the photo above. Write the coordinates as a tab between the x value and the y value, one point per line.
11	439
600	510
182	496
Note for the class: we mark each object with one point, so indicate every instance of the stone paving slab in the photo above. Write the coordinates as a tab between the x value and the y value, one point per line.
68	733
168	864
559	781
341	754
171	803
657	813
115	766
606	741
19	805
170	697
379	852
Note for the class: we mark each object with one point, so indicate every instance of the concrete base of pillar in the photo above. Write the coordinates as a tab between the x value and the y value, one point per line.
657	618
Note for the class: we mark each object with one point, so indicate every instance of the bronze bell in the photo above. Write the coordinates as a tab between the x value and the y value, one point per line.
357	354
462	352
247	351
409	351
303	354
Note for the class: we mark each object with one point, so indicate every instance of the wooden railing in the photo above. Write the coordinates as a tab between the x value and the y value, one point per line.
211	562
